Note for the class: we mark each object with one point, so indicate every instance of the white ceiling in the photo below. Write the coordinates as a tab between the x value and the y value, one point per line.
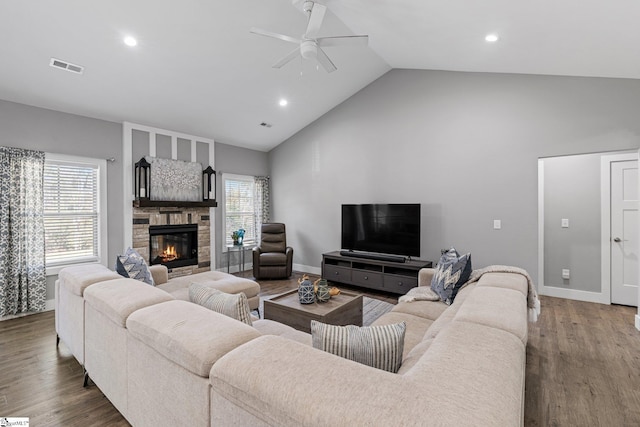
198	70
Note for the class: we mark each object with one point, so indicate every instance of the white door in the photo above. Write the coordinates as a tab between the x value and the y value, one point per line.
624	232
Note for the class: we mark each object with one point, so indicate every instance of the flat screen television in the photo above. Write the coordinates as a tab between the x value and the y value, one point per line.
382	228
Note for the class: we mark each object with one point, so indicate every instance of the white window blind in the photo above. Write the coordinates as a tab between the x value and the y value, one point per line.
239	207
71	212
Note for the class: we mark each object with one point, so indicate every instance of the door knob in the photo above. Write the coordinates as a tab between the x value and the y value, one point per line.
617	240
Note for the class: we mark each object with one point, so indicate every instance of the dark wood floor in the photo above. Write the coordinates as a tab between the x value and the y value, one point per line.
583	369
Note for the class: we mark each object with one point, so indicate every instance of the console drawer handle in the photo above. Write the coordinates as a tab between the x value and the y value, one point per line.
366	277
337	273
399	283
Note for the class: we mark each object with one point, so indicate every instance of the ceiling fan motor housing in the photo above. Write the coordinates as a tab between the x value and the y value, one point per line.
308	49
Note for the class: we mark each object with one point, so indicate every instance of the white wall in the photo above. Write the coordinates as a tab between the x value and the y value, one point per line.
465	145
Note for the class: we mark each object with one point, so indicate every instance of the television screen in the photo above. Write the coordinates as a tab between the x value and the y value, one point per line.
382	228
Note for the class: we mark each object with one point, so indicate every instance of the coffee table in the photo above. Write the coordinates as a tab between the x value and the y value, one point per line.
342	309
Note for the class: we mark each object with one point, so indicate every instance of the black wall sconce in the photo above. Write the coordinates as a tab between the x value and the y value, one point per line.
142	179
208	187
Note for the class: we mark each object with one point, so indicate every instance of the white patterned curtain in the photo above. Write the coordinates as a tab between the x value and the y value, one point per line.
23	284
262	201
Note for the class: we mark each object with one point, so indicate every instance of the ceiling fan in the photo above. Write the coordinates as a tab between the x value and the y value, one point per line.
309	45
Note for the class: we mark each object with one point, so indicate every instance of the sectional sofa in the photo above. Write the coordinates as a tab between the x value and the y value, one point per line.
166	361
73	281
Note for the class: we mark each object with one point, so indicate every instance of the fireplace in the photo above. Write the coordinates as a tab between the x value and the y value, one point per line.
173	245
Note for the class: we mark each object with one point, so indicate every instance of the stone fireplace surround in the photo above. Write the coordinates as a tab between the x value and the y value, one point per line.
144	217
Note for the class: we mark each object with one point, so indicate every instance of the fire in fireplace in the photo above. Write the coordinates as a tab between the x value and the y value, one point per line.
173	245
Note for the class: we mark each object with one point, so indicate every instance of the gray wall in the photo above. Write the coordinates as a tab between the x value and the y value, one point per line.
464	145
55	132
241	161
572	191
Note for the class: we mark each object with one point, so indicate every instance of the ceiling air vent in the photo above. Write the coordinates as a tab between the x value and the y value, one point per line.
64	65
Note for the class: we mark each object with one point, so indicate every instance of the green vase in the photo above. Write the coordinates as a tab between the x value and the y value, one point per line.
322	293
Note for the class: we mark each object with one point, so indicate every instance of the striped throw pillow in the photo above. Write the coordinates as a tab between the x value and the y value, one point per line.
376	346
235	306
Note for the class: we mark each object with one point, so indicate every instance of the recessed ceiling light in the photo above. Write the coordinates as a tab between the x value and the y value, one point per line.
283	102
130	41
491	38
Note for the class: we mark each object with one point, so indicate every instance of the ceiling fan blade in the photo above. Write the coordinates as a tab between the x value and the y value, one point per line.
288	58
326	63
274	35
343	41
315	20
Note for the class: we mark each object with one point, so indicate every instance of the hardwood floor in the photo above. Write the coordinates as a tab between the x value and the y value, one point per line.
583	365
583	368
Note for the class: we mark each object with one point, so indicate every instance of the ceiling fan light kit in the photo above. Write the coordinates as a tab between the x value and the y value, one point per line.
310	46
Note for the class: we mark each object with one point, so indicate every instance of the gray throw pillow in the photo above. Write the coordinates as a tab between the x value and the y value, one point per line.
132	265
376	346
235	306
452	272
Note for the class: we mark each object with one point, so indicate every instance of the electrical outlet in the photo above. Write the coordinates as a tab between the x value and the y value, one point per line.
566	274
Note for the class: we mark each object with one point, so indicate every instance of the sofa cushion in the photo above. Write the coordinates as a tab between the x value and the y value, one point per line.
516	282
427	309
414	355
376	346
235	306
187	334
475	375
270	327
416	327
498	308
133	265
452	272
77	278
117	299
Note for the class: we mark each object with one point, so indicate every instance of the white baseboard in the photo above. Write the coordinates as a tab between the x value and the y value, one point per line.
296	267
638	322
574	294
307	269
50	305
235	268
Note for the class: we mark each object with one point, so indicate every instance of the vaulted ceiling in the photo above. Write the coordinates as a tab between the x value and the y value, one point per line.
197	68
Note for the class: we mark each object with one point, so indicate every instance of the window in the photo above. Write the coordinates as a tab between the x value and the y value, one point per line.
239	207
74	229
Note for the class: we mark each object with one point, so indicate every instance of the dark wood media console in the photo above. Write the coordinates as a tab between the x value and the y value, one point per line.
396	277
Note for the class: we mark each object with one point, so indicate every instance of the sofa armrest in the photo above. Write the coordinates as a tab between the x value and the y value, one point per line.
289	253
160	274
425	275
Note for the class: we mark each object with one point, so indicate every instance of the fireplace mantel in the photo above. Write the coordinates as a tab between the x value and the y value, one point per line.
145	203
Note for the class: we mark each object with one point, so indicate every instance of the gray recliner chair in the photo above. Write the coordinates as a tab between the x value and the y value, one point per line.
272	259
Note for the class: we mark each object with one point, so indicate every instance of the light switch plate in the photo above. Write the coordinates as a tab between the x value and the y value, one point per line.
565	222
497	224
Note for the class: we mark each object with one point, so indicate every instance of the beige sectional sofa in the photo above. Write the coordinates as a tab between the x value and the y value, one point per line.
73	281
181	364
463	365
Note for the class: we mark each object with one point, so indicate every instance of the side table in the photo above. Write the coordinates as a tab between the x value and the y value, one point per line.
240	249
